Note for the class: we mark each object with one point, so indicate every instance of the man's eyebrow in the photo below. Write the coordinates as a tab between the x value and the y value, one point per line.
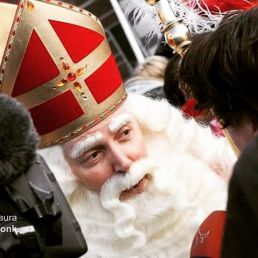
85	144
118	122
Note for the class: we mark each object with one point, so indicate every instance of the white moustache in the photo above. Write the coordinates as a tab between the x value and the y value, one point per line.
124	181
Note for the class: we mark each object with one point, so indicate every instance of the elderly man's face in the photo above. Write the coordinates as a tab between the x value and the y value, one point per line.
107	148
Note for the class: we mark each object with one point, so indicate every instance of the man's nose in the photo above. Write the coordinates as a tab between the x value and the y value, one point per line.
121	160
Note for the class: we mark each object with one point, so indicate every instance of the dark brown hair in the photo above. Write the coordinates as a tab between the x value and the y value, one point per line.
220	69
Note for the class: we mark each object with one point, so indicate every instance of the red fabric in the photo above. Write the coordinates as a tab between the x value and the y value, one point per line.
105	80
228	5
37	67
208	239
78	41
189	108
56	112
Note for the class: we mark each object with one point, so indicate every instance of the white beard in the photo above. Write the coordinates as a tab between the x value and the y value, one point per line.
160	222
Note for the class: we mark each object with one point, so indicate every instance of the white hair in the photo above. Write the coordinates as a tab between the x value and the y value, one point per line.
158	118
55	159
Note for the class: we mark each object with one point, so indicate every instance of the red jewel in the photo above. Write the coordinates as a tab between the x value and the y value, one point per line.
71	77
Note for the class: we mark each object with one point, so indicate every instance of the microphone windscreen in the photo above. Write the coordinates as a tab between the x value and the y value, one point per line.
18	139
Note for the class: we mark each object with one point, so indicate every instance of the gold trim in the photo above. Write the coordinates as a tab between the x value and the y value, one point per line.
9	46
82	123
231	142
37	20
7	14
17	18
45	92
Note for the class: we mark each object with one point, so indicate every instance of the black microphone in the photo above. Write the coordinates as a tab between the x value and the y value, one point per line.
45	226
18	139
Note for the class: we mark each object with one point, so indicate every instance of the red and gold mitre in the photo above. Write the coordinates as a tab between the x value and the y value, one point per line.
58	63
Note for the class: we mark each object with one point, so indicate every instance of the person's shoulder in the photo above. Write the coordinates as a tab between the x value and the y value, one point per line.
250	154
251	149
246	167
